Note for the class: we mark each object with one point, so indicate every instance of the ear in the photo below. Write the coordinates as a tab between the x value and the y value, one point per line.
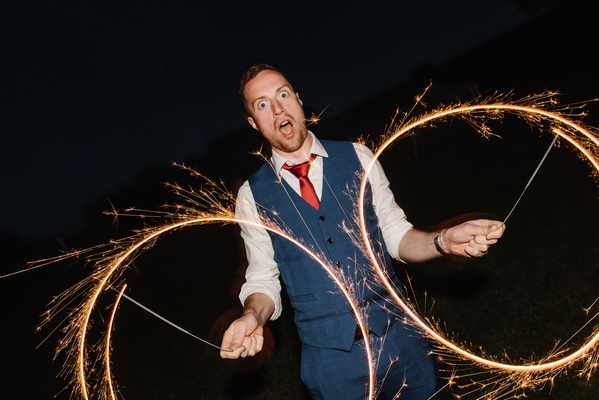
252	123
298	98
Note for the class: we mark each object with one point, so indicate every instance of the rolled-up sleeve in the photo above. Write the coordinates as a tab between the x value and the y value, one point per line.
392	219
262	273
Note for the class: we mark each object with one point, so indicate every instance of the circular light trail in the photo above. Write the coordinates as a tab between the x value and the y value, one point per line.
569	130
122	259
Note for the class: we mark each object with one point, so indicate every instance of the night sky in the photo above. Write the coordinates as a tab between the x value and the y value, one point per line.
108	94
103	89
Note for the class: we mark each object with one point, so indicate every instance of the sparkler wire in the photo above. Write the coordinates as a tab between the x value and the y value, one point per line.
532	177
163	319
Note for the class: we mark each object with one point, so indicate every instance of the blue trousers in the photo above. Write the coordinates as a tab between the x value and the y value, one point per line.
404	363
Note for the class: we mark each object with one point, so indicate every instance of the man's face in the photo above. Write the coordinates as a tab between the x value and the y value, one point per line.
276	111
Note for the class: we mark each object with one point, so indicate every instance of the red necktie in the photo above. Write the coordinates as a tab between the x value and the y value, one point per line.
306	187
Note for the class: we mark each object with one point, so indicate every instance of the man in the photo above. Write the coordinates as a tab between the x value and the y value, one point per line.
303	186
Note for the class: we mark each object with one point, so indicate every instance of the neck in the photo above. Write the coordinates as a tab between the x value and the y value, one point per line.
301	154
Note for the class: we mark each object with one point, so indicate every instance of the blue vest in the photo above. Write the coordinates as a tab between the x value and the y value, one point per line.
322	314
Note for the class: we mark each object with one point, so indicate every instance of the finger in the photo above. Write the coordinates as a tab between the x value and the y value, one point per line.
233	354
244	352
483	240
485	222
472	251
226	345
232	341
260	343
496	231
247	344
488	224
468	230
481	248
253	349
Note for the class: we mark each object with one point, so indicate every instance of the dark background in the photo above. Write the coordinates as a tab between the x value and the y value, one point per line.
105	96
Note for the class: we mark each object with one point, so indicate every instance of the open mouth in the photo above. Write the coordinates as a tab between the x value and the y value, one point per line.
286	127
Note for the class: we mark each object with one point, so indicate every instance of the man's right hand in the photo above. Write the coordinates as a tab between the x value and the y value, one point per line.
242	338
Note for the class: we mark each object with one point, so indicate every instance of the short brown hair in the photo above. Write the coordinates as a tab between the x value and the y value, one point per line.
250	73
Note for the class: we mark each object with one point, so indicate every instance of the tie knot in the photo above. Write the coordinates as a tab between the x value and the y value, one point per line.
300	170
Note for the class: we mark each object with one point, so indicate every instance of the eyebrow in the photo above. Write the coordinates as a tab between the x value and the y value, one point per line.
285	86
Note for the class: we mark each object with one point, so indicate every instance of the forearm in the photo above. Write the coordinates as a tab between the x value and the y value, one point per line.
262	273
468	239
418	246
260	305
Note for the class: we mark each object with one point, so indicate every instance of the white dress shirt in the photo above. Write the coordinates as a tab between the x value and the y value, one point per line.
262	274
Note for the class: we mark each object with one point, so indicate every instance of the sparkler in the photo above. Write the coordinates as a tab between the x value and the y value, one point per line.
110	267
512	376
214	204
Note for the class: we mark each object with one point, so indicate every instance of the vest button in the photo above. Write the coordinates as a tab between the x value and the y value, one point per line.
321	218
330	241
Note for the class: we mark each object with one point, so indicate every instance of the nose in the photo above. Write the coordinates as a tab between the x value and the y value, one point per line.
277	107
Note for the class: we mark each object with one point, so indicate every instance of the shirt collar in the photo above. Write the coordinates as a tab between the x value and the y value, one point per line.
317	148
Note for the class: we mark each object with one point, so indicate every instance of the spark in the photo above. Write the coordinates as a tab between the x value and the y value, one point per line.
588	309
315	118
508	377
208	205
212	203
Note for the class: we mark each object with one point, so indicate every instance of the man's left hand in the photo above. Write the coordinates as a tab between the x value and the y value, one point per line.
472	238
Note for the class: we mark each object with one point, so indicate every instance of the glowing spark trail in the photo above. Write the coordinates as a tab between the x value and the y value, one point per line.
83	320
107	369
214	205
525	375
